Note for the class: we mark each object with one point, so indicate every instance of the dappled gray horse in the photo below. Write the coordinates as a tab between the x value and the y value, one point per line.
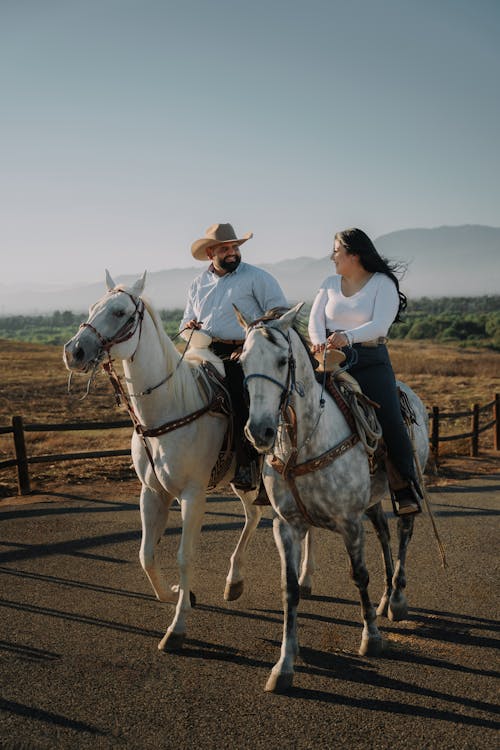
316	473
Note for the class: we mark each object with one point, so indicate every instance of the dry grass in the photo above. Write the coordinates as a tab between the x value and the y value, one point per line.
34	385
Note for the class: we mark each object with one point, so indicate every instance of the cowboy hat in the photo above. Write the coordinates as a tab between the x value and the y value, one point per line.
217	234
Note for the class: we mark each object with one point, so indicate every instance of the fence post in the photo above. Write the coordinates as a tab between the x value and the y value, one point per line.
474	441
496	428
23	478
435	431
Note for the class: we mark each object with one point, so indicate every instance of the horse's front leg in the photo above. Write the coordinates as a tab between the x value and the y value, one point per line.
288	541
308	566
353	534
379	521
192	509
253	513
398	604
154	507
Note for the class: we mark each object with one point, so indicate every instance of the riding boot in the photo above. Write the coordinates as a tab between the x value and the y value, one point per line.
247	475
405	493
262	498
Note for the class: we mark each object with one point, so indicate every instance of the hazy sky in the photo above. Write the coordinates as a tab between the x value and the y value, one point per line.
129	126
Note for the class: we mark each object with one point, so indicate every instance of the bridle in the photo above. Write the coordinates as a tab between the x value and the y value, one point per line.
289	469
215	401
127	331
291	382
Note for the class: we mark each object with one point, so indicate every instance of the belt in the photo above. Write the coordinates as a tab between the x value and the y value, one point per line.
374	342
229	342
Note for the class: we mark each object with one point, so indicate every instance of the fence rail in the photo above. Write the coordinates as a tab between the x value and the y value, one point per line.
22	461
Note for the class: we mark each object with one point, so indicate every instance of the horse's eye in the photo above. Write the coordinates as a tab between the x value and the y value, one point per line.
119	313
282	361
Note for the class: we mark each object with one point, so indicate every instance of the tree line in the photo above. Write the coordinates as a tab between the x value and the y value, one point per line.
462	320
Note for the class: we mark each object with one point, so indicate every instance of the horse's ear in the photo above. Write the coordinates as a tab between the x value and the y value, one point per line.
241	320
139	285
288	318
109	281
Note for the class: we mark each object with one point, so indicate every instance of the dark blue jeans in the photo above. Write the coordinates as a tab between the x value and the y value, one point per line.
374	372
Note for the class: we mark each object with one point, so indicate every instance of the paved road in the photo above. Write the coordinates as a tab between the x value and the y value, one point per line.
79	665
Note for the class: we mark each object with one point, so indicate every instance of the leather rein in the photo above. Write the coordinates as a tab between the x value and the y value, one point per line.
125	333
290	469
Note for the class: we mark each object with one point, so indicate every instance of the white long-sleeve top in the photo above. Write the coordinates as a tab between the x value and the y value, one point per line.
365	315
211	297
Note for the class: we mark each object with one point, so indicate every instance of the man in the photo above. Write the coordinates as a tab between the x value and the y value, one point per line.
209	307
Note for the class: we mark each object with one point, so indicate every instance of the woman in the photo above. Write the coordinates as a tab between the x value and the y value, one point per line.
356	307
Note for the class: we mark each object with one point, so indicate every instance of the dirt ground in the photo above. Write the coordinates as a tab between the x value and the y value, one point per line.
79	665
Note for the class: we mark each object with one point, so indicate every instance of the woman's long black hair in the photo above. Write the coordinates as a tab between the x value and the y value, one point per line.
356	242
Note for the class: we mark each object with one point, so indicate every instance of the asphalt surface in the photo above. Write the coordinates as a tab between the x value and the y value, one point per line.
80	668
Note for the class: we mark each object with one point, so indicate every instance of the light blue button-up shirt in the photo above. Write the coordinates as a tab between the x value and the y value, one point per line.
211	298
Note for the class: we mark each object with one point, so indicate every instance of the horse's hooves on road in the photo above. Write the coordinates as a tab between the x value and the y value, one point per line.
172	642
279	683
305	592
233	591
192	599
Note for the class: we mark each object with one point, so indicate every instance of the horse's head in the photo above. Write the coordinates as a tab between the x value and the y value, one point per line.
269	367
114	323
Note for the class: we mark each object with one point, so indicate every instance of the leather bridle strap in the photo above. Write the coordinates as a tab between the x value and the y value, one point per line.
127	330
289	469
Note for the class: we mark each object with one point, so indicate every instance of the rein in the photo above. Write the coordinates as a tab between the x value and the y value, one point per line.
289	469
125	333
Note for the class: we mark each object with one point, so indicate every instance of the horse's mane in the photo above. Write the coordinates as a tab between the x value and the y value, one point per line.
299	325
184	386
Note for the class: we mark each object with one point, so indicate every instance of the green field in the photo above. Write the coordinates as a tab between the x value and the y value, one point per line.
462	320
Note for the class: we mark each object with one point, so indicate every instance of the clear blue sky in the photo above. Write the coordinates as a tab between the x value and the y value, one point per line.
129	126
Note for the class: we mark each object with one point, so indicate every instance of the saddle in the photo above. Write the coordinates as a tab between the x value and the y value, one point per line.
357	408
213	384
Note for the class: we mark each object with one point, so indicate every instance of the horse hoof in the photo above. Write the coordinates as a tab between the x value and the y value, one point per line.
371	646
233	591
192	599
305	592
171	642
398	610
279	682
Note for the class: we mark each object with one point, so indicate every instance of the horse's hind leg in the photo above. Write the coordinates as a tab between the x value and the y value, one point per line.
288	540
398	605
379	520
253	513
353	534
154	514
308	565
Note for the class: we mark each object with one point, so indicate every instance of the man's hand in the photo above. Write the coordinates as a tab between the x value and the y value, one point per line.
193	324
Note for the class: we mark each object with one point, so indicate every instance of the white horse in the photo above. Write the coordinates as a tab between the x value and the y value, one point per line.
317	474
177	440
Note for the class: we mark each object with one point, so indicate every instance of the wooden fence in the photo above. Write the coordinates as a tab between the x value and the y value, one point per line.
436	416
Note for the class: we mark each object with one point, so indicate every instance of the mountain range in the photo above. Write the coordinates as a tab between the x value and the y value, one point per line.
440	262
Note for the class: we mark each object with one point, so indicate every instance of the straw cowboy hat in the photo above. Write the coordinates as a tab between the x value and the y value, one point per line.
217	234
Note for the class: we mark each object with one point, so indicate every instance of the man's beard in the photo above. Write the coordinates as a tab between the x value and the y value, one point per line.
230	265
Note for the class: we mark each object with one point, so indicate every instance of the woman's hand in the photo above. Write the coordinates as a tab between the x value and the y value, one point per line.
337	340
315	348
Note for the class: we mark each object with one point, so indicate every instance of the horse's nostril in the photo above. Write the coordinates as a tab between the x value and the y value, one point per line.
78	353
269	433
